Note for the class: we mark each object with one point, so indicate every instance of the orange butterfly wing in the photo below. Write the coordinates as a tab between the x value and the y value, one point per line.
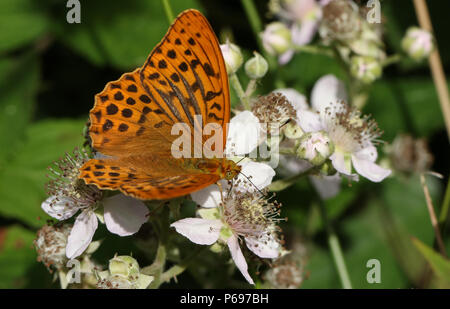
131	121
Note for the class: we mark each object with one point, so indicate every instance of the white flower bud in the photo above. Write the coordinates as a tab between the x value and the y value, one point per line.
315	147
232	56
256	67
276	38
364	68
418	43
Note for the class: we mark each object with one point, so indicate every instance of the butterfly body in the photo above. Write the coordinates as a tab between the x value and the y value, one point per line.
184	80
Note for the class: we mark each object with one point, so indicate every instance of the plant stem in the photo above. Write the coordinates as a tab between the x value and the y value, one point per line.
335	247
282	184
257	27
317	50
443	215
391	60
434	222
435	63
168	10
236	84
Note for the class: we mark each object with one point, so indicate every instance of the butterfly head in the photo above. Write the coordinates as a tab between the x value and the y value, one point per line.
230	169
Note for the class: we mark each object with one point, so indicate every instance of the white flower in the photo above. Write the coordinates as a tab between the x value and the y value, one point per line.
123	216
244	134
352	134
240	215
260	175
69	195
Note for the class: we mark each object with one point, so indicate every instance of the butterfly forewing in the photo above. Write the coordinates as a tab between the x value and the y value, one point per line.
186	73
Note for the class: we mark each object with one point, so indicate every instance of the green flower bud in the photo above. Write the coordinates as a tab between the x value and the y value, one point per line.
418	43
292	130
123	273
256	67
315	147
364	68
123	265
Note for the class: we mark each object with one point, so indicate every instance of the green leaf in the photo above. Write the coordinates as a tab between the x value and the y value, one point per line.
21	21
409	104
439	264
305	69
16	101
111	33
22	179
16	257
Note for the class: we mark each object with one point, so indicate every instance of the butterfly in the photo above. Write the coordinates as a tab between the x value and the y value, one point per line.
131	121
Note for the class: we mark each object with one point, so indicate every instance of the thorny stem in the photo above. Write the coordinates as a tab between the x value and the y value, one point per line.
432	214
156	268
335	247
168	10
236	84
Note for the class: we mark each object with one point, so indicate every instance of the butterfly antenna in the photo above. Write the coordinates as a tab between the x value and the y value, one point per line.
248	178
289	120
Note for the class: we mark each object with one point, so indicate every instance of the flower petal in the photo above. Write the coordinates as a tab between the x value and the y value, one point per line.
328	89
309	121
238	257
199	231
338	161
243	134
209	197
304	33
286	57
297	100
369	169
81	234
265	247
326	186
124	215
59	207
260	174
368	153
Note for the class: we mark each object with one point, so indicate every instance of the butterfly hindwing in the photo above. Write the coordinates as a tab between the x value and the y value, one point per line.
167	180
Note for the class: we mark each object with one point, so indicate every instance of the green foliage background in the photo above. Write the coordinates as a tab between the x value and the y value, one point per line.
50	71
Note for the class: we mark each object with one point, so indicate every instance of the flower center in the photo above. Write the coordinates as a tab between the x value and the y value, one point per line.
250	214
348	129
